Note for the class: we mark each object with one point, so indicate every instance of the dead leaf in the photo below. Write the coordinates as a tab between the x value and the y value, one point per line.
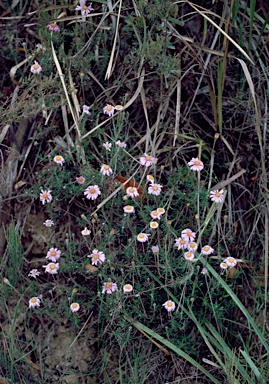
130	183
18	185
91	268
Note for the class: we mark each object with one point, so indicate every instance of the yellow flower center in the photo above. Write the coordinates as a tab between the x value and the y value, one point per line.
36	66
92	191
52	267
141	236
217	194
74	305
131	189
192	245
153	224
169	304
84	7
53	253
182	241
45	195
128	207
189	255
80	179
106	167
109	107
128	287
53	25
108	285
206	249
197	162
148	158
33	300
155	213
96	256
58	158
155	188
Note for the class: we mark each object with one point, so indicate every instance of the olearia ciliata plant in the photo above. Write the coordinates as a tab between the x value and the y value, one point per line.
130	271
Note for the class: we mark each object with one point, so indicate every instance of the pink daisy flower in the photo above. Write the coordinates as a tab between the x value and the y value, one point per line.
155	214
121	144
118	107
150	178
58	159
34	273
51	268
48	223
230	261
109	287
53	254
223	265
161	210
192	246
86	110
207	250
97	257
189	256
83	8
127	288
155	189
142	237
45	196
181	243
86	231
128	209
217	196
106	170
154	224
92	192
107	146
109	110
196	164
148	160
34	302
169	305
155	249
36	68
80	180
74	307
188	235
132	192
54	27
